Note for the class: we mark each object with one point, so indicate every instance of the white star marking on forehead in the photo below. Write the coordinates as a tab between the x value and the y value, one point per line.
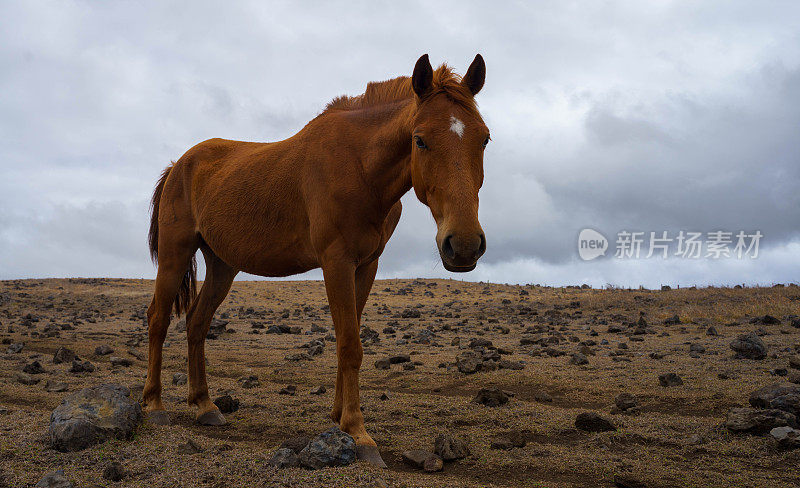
457	126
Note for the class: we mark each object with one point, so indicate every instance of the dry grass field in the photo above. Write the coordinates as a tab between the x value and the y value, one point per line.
674	438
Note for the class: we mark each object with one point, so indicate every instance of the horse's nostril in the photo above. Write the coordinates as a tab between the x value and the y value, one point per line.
482	247
447	247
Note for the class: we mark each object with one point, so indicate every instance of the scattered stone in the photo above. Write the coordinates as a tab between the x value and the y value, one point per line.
284	458
509	364
784	397
626	401
25	378
54	386
118	361
288	390
64	355
592	422
94	415
512	440
469	362
227	404
400	358
749	346
669	379
249	381
33	367
56	479
179	379
81	367
103	350
433	464
383	364
189	447
578	359
543	396
780	433
15	348
320	390
450	447
757	421
491	397
418	458
330	448
114	471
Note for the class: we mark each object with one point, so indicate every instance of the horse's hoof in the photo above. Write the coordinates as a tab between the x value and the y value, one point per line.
212	417
371	455
158	417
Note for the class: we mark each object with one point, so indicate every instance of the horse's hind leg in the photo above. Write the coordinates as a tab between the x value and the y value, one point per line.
219	277
173	263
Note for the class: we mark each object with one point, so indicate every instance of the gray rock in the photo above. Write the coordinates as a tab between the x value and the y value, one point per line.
383	364
15	348
591	422
417	457
25	378
509	364
94	415
34	367
749	346
330	448
578	359
179	379
114	471
189	447
226	404
669	379
491	397
103	350
757	421
56	479
626	401
64	355
54	386
449	447
780	433
469	362
81	367
284	458
118	361
783	396
249	381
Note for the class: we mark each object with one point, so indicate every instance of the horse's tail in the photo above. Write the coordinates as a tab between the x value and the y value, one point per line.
188	288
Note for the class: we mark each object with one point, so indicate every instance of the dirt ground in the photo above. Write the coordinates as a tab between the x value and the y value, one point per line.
675	440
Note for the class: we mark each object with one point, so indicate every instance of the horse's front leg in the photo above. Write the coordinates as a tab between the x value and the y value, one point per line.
341	288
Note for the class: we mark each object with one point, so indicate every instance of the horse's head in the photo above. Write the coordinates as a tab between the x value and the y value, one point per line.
448	139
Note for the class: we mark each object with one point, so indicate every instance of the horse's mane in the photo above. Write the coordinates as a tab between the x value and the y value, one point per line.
445	80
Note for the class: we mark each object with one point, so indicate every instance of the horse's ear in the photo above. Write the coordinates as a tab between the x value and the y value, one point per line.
422	79
476	75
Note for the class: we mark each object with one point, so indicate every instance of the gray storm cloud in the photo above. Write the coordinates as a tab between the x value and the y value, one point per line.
616	117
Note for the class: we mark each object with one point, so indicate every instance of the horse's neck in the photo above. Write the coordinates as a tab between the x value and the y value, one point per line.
387	165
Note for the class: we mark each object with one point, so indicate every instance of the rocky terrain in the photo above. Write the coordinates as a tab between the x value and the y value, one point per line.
463	385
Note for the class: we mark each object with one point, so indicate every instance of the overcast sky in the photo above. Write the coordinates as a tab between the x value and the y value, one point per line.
616	116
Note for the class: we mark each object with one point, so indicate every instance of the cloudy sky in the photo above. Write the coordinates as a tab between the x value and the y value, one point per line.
617	116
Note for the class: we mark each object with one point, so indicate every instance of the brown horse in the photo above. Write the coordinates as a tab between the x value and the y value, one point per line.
327	197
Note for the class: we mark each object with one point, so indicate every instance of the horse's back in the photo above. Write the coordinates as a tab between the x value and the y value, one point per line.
247	190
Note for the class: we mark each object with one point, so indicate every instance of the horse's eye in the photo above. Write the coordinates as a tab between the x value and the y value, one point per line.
420	143
486	141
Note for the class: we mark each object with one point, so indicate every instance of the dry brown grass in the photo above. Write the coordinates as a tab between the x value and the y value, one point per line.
654	447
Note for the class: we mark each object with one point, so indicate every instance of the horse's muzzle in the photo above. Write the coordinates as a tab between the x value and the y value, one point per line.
460	253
